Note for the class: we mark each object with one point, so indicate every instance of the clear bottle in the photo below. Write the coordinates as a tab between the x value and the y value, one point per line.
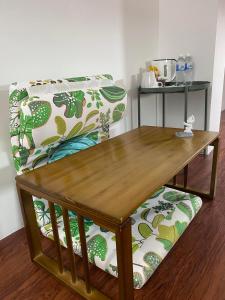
188	69
180	70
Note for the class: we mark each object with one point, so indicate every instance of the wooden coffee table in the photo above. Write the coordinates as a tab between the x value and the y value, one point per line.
107	183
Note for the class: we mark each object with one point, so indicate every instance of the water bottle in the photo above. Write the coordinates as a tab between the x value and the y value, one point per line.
180	70
188	69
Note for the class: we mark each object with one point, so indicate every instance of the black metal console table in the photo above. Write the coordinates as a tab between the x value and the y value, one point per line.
172	88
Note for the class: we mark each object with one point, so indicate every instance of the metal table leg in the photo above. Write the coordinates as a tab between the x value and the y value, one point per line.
139	109
163	109
206	110
206	116
185	103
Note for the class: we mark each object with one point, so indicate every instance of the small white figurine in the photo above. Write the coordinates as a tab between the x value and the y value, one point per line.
189	124
188	128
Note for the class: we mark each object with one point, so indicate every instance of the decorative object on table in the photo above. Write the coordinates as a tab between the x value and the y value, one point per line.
149	79
189	124
188	128
166	69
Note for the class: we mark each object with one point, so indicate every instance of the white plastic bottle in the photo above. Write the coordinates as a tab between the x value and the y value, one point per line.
188	69
180	70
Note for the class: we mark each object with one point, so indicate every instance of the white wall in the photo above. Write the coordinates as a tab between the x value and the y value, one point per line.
51	40
10	216
219	68
188	26
57	38
223	99
140	35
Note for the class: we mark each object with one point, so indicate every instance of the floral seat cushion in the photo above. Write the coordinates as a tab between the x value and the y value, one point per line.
156	226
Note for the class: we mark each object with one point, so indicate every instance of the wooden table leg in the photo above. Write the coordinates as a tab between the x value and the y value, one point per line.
208	195
124	261
185	176
214	168
174	180
30	223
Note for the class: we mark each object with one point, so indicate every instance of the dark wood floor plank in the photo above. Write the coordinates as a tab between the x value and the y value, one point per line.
194	269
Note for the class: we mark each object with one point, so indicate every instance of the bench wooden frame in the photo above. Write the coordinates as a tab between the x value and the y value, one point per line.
29	184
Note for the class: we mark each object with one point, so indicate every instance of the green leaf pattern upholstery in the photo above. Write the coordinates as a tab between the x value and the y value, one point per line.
46	113
156	226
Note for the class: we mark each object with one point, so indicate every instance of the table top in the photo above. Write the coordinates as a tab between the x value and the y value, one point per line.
172	88
113	178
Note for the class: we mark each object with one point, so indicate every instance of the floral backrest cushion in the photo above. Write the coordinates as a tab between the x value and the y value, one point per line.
45	113
51	119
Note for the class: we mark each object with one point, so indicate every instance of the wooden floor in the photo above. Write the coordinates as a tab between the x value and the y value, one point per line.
194	269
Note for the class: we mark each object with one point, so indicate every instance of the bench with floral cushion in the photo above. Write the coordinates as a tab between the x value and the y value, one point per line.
52	119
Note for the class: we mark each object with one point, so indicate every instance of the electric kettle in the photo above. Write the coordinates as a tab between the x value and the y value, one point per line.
166	68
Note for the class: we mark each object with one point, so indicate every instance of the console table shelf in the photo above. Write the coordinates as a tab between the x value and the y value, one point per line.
172	88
